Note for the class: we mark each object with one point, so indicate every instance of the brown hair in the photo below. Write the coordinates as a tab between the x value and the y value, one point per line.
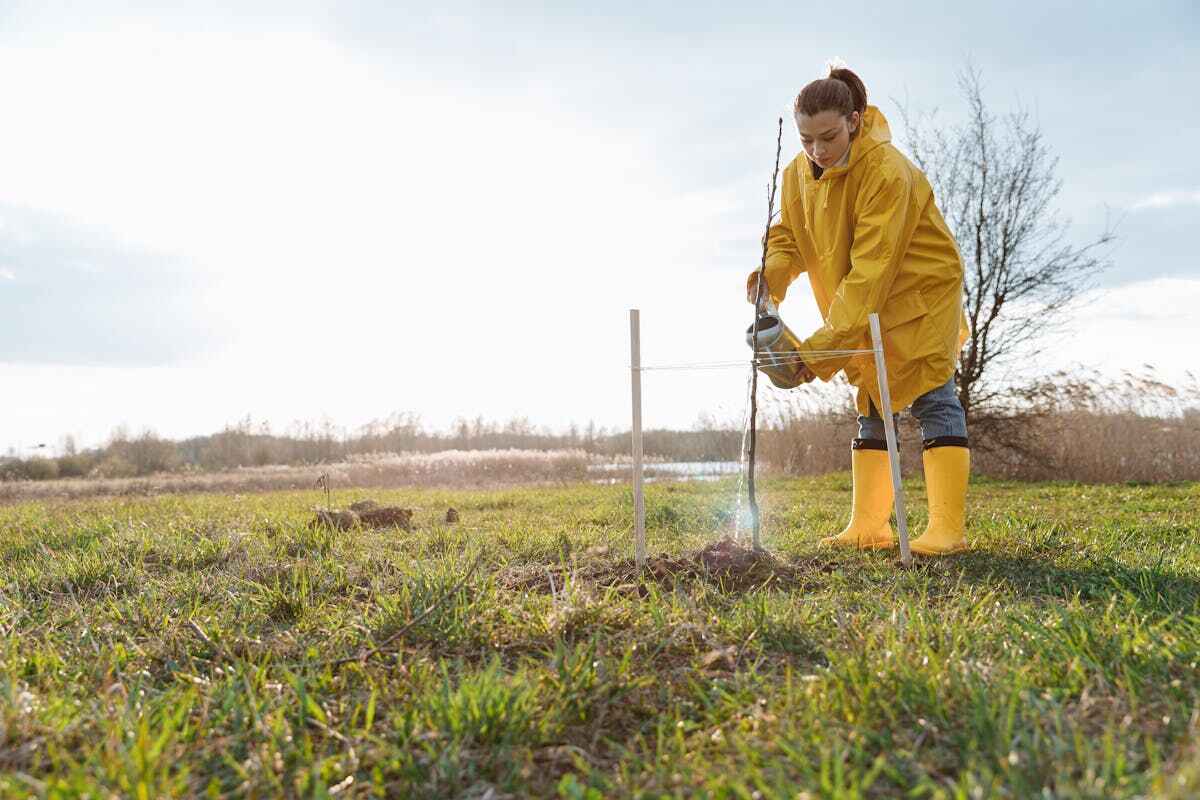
842	91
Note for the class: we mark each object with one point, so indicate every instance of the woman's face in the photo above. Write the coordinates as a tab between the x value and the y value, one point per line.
826	135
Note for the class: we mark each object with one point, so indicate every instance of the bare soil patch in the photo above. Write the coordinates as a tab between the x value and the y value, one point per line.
733	565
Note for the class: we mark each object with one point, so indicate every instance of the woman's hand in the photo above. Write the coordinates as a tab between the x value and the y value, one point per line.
752	288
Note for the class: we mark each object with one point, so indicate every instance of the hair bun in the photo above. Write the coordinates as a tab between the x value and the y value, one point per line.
848	95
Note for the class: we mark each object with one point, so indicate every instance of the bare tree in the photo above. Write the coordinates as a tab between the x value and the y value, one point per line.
994	180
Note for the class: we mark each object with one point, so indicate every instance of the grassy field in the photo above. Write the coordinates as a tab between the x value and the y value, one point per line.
210	645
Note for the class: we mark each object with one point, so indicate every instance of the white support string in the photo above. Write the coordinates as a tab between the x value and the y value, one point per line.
811	356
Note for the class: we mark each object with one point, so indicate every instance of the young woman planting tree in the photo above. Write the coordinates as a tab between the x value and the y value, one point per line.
860	219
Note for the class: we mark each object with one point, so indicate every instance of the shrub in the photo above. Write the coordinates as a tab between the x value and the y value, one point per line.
36	469
114	466
147	453
76	466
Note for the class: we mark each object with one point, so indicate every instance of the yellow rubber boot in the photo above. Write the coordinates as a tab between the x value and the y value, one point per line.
869	528
946	473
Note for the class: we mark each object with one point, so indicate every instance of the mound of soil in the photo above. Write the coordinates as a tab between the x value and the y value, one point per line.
335	518
726	562
387	517
365	513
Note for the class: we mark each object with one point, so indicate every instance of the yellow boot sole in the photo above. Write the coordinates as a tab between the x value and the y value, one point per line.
937	549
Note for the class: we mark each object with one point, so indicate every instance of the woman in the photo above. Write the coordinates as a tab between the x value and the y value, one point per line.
860	219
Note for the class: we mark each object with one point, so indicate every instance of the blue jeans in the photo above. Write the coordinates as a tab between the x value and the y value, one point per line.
938	411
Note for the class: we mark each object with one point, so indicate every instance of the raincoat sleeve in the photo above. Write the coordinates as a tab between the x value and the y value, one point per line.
784	263
884	224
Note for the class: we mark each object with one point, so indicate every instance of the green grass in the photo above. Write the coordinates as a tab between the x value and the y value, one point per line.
181	646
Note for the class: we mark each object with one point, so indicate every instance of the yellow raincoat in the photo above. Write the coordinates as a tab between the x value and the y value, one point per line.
872	240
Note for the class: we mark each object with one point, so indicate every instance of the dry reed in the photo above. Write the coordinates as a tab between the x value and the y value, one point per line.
451	468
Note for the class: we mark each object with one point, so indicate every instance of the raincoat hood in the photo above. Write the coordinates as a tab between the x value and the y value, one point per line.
873	131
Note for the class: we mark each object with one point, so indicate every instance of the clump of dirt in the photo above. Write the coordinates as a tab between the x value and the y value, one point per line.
387	517
726	562
335	518
728	556
364	513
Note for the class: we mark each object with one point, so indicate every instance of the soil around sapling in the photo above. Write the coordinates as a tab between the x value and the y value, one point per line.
726	563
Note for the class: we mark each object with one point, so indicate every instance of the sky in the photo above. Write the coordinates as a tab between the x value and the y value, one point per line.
312	211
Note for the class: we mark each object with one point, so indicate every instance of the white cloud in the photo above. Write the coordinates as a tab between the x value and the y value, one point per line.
7	274
1124	327
458	251
1167	200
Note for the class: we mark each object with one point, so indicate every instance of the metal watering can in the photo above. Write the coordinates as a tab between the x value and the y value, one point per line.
778	355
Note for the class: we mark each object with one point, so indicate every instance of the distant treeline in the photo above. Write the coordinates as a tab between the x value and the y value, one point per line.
1084	426
247	444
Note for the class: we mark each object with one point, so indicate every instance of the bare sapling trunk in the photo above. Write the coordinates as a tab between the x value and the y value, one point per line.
759	304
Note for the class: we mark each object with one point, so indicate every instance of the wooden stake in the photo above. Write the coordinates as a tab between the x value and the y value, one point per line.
639	502
889	430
